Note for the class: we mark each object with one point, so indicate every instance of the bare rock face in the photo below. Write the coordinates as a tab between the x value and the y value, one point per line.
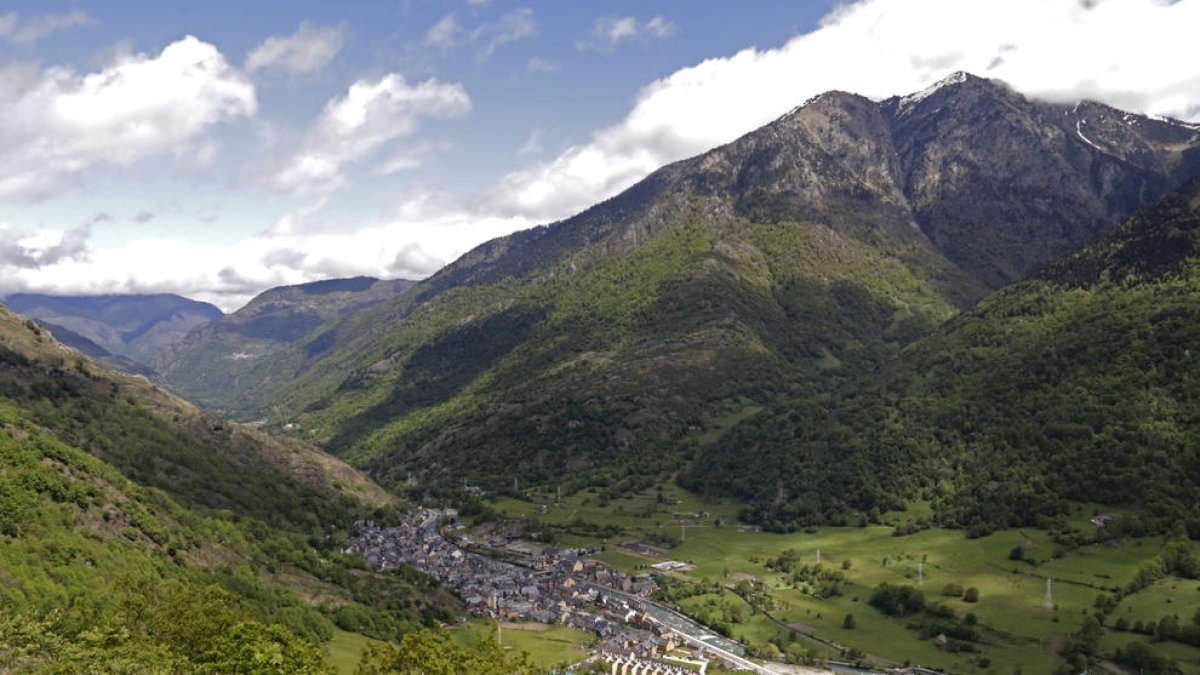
1002	184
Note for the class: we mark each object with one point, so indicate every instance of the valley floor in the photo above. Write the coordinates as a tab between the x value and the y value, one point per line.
734	579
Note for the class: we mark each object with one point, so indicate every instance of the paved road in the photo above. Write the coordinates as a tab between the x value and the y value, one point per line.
691	632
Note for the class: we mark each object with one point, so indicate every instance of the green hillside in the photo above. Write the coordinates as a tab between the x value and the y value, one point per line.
586	371
141	536
1075	385
244	355
161	441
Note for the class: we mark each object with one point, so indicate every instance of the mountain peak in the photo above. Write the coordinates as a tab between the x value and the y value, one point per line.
959	77
832	96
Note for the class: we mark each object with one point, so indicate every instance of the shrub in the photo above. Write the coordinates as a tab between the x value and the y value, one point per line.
897	600
952	590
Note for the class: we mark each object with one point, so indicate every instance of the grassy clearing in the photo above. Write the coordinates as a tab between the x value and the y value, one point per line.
1012	594
1167	597
624	561
1179	597
547	646
1188	658
346	649
716	426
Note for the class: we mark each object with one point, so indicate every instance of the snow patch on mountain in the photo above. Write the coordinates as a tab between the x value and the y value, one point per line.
907	102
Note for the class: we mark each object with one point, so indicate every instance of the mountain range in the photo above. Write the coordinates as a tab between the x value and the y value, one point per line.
804	281
961	299
216	360
125	329
810	253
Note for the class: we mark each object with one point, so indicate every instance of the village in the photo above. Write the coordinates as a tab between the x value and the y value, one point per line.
558	587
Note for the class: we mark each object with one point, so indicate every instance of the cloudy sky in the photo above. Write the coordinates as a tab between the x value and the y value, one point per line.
215	149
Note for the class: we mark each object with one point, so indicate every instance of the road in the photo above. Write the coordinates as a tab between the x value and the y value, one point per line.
691	632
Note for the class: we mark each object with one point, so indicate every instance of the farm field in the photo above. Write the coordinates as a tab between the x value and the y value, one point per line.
547	646
1017	631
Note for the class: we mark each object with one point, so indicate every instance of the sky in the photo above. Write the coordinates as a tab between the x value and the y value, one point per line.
216	149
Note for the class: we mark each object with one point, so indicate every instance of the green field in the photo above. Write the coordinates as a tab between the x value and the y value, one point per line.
1187	658
547	646
345	650
1017	632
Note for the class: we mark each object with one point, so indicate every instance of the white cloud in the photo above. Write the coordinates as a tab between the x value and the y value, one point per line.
543	66
609	31
309	49
23	250
412	262
660	27
402	161
1060	50
411	157
55	123
513	26
423	234
444	33
532	145
613	30
370	115
294	221
30	30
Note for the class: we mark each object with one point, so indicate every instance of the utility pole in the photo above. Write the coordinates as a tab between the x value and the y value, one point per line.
921	573
1049	602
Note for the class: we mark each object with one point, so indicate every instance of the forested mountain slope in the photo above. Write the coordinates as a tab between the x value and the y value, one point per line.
1078	383
218	359
139	535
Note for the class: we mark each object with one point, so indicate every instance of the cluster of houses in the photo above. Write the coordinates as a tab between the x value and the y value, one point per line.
572	565
558	587
631	665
